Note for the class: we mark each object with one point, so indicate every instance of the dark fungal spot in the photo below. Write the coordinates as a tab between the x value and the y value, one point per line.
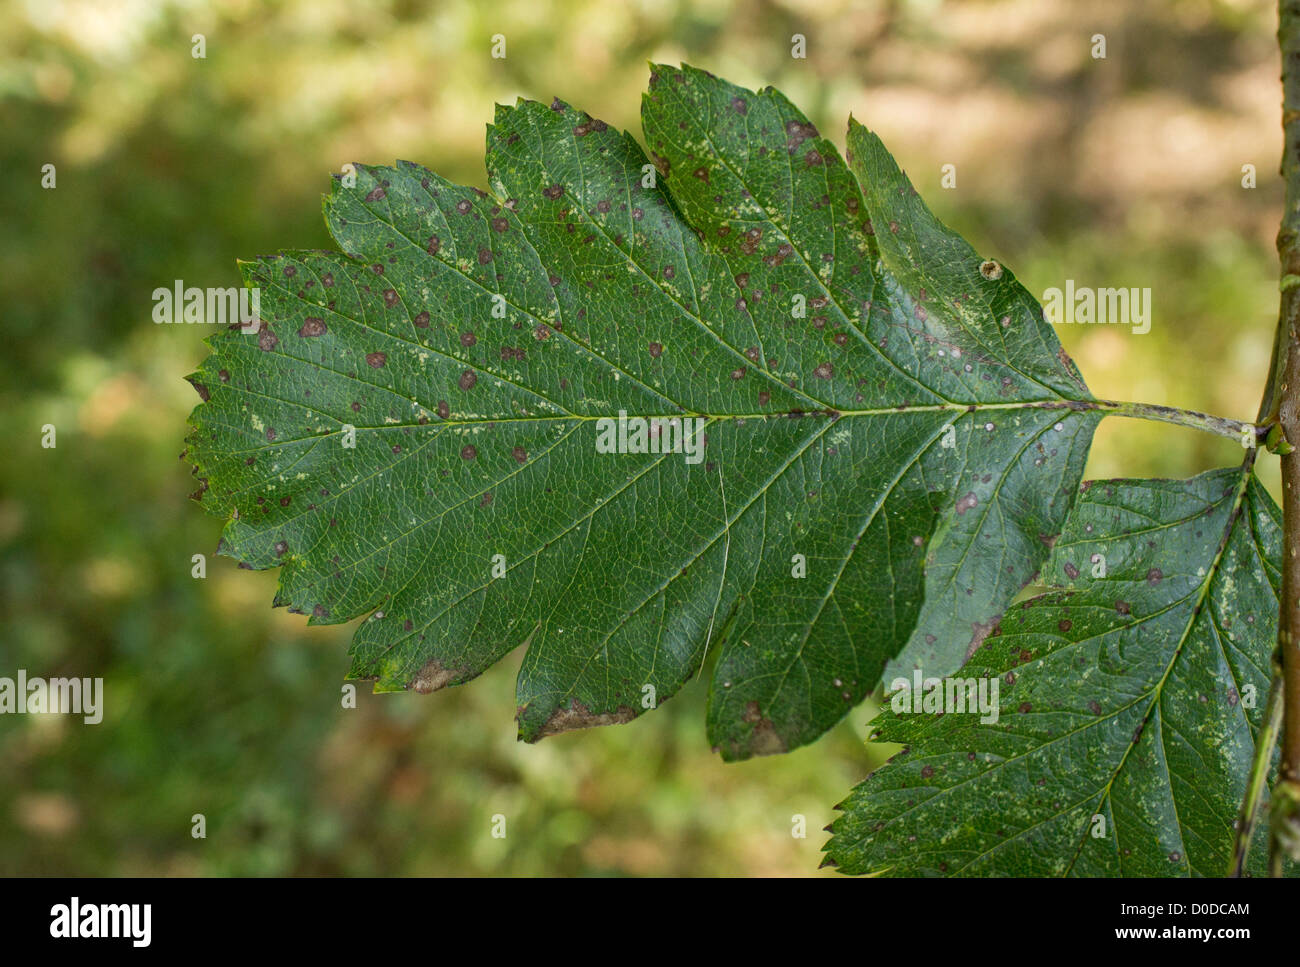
797	132
270	433
512	352
1071	571
422	320
702	173
966	503
602	207
435	243
1064	625
1123	607
1025	707
738	373
468	452
812	158
467	379
390	297
990	270
376	360
554	192
484	256
588	126
356	407
468	339
266	339
376	194
500	225
520	454
463	206
444	411
1154	576
656	349
312	326
824	371
327	280
927	771
764	397
285	501
740	105
281	548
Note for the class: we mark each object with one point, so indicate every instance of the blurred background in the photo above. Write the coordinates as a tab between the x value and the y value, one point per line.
1123	171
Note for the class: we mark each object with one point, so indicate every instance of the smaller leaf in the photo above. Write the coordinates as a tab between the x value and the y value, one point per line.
1128	703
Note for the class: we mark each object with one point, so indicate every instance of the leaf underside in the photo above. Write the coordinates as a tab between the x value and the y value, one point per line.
878	398
1129	704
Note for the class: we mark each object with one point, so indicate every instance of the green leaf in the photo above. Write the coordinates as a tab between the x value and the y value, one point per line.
1129	703
878	401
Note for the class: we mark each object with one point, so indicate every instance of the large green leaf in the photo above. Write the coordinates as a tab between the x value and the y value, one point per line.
1129	703
916	433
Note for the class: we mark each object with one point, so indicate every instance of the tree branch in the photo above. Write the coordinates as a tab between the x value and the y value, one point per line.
1282	397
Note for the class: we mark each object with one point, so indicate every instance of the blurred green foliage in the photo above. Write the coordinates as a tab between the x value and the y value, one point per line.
1123	171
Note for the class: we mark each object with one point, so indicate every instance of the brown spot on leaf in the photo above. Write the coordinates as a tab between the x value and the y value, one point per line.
579	716
467	379
981	630
797	132
376	360
431	677
312	326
